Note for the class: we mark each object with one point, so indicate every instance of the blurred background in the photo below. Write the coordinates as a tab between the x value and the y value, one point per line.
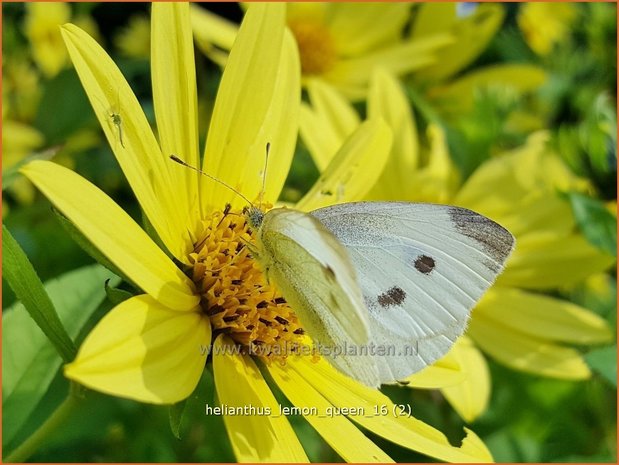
45	114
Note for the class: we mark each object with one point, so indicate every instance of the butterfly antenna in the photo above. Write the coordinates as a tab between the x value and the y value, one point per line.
210	176
264	174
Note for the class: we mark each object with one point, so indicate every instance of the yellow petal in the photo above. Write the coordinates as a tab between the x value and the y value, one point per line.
354	169
437	181
211	30
342	435
280	126
114	233
388	100
472	35
546	261
318	136
314	11
502	176
328	123
433	17
538	214
352	75
247	91
519	179
176	101
444	372
403	430
469	398
131	138
257	437
144	351
359	27
542	316
459	95
526	353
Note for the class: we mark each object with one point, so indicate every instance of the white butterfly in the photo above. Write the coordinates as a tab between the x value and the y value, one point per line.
420	267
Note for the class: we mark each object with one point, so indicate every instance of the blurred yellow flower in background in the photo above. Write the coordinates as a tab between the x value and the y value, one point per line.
134	39
42	30
148	347
22	92
339	42
544	25
20	99
472	26
520	189
447	83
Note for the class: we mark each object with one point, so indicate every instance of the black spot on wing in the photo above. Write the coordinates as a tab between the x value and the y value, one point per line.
493	238
424	264
394	296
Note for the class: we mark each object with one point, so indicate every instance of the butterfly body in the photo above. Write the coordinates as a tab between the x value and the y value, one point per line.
312	271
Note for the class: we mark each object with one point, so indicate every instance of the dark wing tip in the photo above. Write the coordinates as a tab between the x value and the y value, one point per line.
497	241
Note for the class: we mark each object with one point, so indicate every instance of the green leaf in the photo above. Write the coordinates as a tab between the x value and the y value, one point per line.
597	224
115	295
29	362
89	247
28	288
58	116
176	417
604	362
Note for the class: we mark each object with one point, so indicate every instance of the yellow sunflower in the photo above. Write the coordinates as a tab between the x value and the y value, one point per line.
207	292
338	42
513	323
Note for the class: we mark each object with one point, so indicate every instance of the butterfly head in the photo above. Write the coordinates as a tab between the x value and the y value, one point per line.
254	216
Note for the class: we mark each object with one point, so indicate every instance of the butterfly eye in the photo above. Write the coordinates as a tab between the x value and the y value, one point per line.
424	264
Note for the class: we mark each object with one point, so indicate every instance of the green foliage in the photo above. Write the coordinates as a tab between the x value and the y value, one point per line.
604	362
29	361
59	116
597	224
116	295
176	417
24	281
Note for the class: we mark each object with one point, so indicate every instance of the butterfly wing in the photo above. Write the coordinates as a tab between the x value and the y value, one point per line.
313	272
421	268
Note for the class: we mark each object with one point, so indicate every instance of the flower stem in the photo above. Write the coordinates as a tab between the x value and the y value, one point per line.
26	449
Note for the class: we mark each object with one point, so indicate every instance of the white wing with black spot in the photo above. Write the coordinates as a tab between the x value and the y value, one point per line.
421	268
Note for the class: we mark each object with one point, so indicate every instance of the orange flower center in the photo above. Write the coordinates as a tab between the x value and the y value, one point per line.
235	295
316	48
